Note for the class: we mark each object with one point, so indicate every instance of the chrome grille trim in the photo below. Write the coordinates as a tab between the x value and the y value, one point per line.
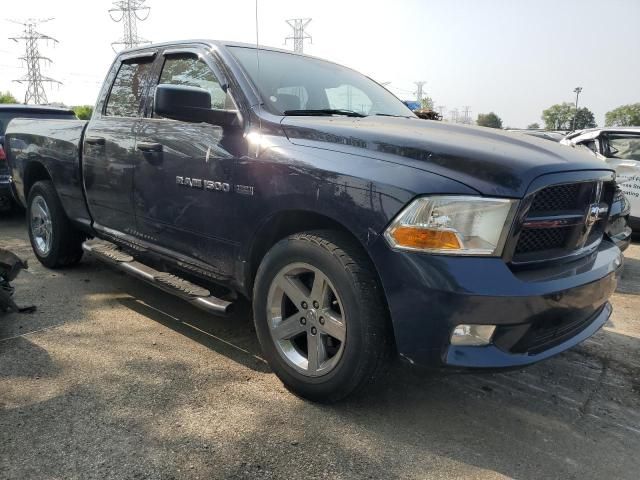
542	233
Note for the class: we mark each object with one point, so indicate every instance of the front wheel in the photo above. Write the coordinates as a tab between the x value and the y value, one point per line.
320	315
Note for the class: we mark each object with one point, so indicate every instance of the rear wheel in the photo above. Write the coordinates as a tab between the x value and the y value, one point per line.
319	315
55	242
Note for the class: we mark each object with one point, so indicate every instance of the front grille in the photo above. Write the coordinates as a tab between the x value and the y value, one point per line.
557	223
533	240
557	198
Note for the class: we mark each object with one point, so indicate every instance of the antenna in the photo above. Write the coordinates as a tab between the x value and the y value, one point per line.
299	35
34	79
129	12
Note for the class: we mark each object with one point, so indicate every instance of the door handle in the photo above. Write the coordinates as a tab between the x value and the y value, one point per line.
94	140
149	147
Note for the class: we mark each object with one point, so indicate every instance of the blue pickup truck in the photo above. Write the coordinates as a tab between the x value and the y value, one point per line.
215	170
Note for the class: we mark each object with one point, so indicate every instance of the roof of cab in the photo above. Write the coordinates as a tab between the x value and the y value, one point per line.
211	43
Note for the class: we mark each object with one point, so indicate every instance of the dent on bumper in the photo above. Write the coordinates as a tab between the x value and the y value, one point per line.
493	357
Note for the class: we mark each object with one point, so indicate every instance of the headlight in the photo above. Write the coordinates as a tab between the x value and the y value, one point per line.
457	225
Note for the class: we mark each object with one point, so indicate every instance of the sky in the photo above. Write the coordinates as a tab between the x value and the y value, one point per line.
512	57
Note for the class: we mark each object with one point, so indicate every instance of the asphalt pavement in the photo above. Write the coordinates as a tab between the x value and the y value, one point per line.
113	379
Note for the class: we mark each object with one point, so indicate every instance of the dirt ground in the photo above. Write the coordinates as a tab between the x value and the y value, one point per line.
113	379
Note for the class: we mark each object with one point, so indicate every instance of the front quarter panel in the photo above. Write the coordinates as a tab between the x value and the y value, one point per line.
361	194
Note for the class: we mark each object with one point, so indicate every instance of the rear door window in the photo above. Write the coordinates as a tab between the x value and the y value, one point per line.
129	88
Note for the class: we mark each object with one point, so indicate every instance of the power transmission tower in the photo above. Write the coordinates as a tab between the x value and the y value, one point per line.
441	110
299	35
419	92
129	12
34	79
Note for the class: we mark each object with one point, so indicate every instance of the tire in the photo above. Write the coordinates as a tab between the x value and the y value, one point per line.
55	242
352	341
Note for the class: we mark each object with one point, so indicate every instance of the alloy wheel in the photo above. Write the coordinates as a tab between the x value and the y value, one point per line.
306	319
41	226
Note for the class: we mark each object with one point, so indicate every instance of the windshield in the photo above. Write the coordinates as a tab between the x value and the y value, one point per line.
289	82
5	117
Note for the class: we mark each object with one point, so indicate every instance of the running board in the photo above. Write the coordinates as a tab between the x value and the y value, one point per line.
192	293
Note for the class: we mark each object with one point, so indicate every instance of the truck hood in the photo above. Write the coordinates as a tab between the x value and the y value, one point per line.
490	161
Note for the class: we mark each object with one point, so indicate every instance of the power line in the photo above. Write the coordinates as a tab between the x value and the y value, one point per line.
129	12
34	79
299	35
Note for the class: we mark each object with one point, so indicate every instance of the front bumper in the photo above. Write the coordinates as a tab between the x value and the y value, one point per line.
538	313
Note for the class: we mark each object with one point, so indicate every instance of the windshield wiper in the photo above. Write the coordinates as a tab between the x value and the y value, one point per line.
324	111
391	115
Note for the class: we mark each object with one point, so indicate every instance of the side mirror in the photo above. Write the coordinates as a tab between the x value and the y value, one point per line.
190	104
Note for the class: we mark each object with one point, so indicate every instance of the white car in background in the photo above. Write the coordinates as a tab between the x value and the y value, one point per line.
620	148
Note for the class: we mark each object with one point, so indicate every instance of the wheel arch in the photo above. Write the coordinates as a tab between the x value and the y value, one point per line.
34	171
285	223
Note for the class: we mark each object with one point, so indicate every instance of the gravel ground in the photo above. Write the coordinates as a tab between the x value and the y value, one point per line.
113	379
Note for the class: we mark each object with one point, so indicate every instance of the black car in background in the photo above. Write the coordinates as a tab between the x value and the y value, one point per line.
7	113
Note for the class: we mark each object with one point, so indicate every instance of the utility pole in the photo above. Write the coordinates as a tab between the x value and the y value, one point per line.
34	79
299	35
577	91
129	12
420	91
454	115
441	110
467	115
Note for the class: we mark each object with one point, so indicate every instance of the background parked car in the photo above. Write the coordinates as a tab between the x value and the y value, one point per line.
545	134
7	113
619	147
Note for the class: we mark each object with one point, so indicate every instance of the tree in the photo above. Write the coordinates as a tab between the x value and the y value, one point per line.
427	103
561	117
533	126
623	116
558	116
83	112
6	97
585	119
489	120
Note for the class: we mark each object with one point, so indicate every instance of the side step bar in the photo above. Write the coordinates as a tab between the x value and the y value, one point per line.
192	293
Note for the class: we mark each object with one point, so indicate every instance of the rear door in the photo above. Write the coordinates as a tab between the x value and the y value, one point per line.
184	173
109	145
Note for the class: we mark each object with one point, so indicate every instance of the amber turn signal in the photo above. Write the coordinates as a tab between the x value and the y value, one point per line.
425	238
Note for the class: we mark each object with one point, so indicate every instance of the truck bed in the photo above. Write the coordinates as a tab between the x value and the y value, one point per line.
56	145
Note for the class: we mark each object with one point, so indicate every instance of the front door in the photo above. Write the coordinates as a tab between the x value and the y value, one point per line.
183	179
